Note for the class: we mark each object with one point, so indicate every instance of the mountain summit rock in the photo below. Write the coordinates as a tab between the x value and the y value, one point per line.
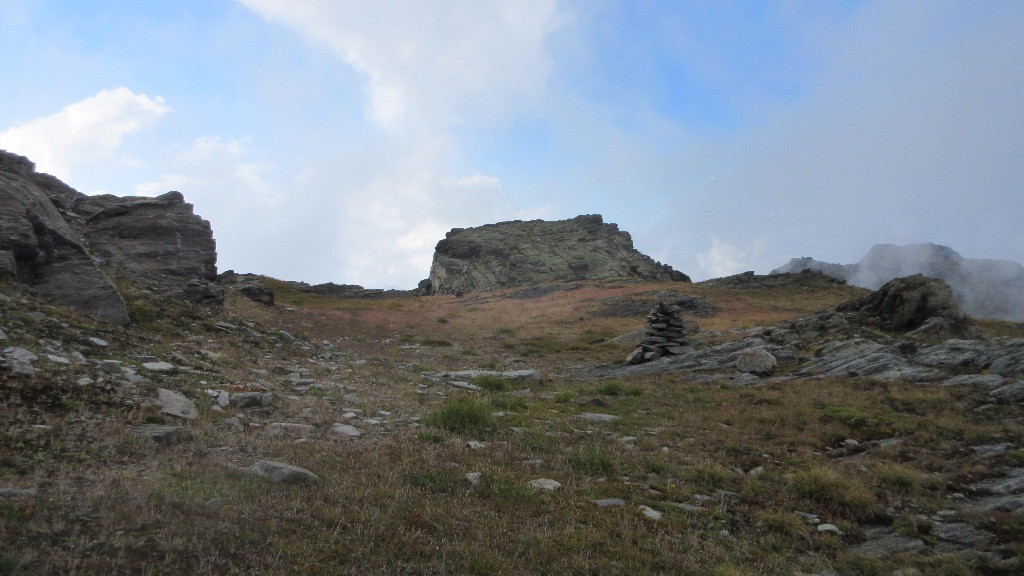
62	244
520	253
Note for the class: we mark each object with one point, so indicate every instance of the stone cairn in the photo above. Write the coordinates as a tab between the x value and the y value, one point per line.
666	334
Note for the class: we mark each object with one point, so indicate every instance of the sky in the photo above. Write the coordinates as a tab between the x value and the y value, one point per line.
339	140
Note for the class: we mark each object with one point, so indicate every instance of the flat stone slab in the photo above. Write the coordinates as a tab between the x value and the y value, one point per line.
517	375
609	502
884	542
7	493
962	534
989	380
279	472
594	417
650	512
1012	483
159	432
1013	504
159	367
176	404
347	430
546	484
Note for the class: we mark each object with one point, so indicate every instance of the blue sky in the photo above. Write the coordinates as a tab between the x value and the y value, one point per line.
331	140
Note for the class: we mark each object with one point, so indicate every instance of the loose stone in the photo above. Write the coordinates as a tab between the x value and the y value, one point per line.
546	484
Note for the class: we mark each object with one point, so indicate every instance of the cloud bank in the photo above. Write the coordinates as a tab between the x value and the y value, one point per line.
90	130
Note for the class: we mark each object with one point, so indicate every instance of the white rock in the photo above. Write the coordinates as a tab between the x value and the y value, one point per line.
546	484
176	404
280	472
474	477
650	512
294	426
223	398
98	342
476	445
160	367
346	430
58	359
20	355
84	381
3	335
757	360
829	529
466	386
592	417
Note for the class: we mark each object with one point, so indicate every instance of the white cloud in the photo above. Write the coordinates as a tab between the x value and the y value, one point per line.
431	62
215	168
387	228
724	259
86	131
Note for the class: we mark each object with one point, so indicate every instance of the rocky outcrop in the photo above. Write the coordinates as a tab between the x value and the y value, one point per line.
60	243
983	288
40	249
915	303
158	241
536	252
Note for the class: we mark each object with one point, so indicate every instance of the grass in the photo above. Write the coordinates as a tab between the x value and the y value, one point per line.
592	461
491	382
397	499
461	416
835	492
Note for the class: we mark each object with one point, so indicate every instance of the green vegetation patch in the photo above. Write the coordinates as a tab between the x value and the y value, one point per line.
462	416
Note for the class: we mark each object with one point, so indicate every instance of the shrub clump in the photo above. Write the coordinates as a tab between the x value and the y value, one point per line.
592	461
490	382
461	415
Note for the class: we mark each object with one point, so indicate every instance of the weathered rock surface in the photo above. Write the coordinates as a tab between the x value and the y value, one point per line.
52	237
160	241
908	303
279	472
756	360
40	249
983	288
535	252
721	357
176	404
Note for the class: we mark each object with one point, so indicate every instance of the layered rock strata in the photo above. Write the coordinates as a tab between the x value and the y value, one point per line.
60	243
520	253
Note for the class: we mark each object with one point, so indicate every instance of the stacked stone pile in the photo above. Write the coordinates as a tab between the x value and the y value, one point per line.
666	335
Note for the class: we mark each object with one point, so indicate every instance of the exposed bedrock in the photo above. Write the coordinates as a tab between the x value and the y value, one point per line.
536	252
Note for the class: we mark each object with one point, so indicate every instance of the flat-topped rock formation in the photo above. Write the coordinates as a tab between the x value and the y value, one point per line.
536	252
61	244
983	288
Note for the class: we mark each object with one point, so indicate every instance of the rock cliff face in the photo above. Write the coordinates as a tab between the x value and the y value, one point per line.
60	243
519	253
982	288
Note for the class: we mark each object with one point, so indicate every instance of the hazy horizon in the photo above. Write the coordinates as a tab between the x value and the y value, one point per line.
335	141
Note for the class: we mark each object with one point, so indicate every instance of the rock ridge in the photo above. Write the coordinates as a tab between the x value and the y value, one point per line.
518	253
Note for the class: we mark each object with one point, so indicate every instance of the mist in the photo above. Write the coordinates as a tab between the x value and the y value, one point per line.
983	288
